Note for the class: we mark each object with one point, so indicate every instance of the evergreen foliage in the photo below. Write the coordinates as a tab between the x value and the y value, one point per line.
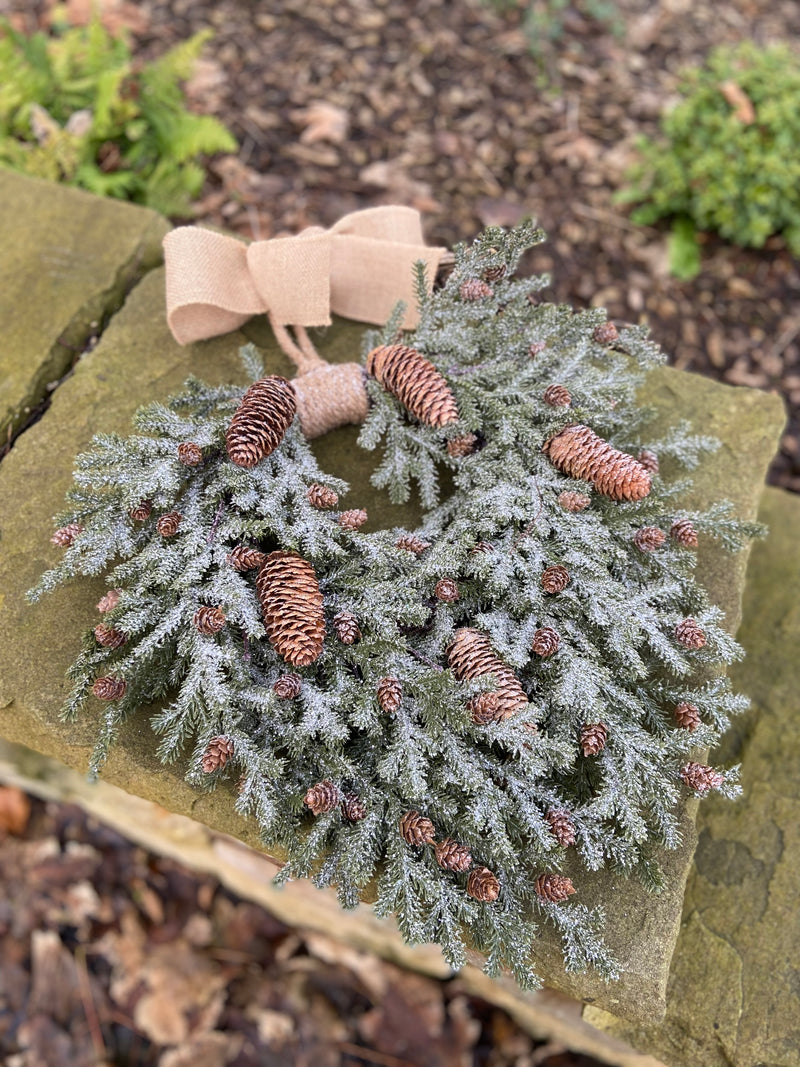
490	786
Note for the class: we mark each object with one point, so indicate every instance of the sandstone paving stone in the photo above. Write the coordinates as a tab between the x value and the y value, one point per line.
734	990
68	258
137	361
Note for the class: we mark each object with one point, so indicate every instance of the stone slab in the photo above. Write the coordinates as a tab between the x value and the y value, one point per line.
137	361
68	258
734	989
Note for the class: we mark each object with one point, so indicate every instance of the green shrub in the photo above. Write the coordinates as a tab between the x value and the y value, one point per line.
75	108
718	169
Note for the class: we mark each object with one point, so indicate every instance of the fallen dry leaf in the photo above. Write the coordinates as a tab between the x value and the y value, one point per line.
322	122
741	103
15	810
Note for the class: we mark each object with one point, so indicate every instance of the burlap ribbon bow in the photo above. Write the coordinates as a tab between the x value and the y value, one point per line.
359	268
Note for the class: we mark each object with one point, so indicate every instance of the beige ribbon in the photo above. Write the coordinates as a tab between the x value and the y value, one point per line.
359	269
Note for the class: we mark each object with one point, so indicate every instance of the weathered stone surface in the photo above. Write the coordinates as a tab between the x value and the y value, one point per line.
68	260
137	361
734	989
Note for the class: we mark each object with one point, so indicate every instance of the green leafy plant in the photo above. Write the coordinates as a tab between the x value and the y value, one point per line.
544	21
727	161
76	108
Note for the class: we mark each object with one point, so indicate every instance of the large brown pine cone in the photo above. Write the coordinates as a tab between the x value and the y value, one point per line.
483	885
353	807
689	634
353	520
649	538
485	708
390	694
701	778
683	531
65	535
555	579
109	601
243	558
554	887
452	856
446	590
108	637
687	715
465	445
109	688
593	738
168	523
545	641
142	511
415	382
261	421
416	829
321	497
190	454
411	543
322	797
572	501
562	827
346	626
287	687
471	656
474	289
208	620
218	752
580	453
291	603
557	396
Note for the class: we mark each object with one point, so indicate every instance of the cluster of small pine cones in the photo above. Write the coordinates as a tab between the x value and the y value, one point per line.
324	797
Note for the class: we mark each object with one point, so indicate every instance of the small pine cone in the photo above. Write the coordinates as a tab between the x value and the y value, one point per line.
390	693
353	807
555	579
321	497
109	688
108	637
689	634
485	708
687	716
494	274
287	687
580	453
411	543
683	531
649	538
572	501
190	454
168	524
218	751
605	334
109	601
474	289
243	558
482	546
64	536
208	620
291	603
557	396
483	885
701	778
261	421
545	641
458	447
562	827
446	590
346	626
554	888
593	738
452	856
471	656
416	829
322	797
415	382
353	520
142	511
649	460
536	348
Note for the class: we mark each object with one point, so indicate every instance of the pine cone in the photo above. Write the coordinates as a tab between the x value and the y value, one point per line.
687	716
689	634
571	501
649	538
353	520
416	829
322	797
261	421
458	447
554	888
218	752
545	641
471	656
485	708
446	590
190	454
109	688
494	274
580	453
415	382
142	511
168	524
346	626
474	289
411	543
390	693
321	497
108	637
562	827
243	558
557	396
482	546
287	687
593	738
208	621
64	536
701	778
683	531
536	348
483	885
555	579
109	601
291	603
605	334
452	856
353	808
649	460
